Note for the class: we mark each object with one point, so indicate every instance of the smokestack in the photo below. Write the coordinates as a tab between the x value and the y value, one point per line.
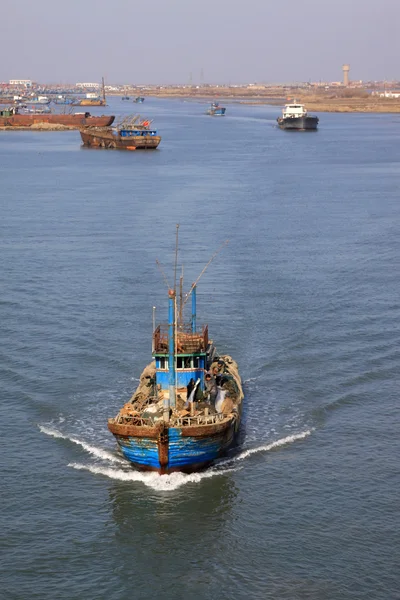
346	69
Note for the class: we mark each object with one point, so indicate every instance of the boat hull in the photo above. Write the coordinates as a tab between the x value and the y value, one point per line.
217	112
89	102
166	449
74	120
108	138
298	123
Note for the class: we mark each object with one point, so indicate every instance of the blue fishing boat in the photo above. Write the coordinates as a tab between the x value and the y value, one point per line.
37	100
186	410
139	100
216	110
64	100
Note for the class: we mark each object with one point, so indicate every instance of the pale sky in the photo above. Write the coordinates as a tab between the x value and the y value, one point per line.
164	41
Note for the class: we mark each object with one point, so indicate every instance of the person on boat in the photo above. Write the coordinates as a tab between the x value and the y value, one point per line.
210	388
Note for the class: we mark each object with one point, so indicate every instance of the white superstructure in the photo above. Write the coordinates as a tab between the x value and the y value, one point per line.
294	111
21	82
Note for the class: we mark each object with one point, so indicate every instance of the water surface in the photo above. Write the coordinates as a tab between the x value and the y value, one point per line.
305	297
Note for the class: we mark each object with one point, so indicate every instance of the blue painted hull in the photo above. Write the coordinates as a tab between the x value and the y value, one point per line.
185	453
216	112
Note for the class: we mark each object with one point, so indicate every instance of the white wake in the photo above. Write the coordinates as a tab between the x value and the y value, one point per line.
265	448
160	483
97	452
163	482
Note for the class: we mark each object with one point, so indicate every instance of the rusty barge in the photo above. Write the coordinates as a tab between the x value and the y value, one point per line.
13	117
187	408
133	133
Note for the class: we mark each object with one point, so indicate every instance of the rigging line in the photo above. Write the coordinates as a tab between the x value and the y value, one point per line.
209	262
176	255
162	273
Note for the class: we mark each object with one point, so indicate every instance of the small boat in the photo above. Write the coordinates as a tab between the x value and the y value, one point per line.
125	98
133	133
216	110
295	117
24	109
139	100
90	100
187	408
64	100
9	99
37	100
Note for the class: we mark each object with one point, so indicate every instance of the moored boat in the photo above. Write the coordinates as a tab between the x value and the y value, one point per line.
37	100
216	110
16	117
139	100
186	411
92	99
295	116
133	133
64	100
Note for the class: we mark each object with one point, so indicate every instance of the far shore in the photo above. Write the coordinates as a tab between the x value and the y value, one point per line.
321	102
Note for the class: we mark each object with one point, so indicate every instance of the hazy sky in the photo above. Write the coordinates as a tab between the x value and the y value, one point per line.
163	41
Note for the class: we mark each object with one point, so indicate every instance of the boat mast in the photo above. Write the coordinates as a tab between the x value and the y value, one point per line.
170	400
154	328
175	311
180	315
104	90
194	308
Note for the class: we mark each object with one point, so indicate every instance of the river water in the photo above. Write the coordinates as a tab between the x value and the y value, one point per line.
306	297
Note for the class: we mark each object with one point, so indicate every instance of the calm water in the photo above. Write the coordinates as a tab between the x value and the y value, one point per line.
306	297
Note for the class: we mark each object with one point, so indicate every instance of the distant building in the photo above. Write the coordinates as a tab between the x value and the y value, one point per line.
21	82
88	85
393	94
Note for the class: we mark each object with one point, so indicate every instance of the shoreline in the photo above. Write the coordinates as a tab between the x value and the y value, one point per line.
39	127
369	104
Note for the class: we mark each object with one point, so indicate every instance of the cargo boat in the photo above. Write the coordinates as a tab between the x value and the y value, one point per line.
132	133
216	110
12	117
92	99
187	408
295	117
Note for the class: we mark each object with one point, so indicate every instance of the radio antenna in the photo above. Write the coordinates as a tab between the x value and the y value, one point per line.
203	271
162	272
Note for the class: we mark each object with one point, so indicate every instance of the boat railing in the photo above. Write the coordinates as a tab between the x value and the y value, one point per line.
136	420
185	421
199	420
187	342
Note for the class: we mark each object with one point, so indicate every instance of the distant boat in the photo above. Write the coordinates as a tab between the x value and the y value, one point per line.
125	98
64	100
93	99
35	110
37	100
139	99
132	133
216	110
295	117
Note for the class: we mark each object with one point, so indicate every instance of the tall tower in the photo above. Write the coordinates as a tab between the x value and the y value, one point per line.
346	69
